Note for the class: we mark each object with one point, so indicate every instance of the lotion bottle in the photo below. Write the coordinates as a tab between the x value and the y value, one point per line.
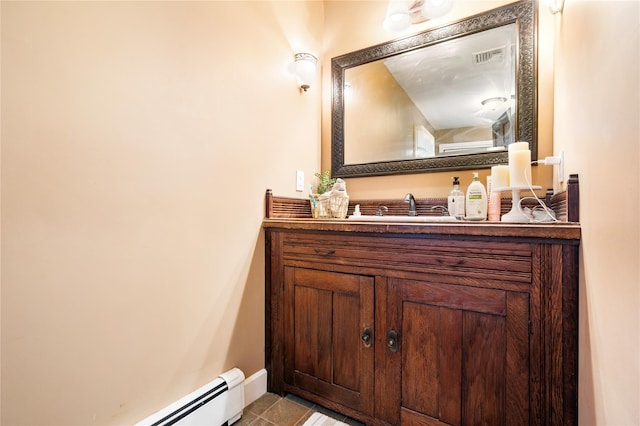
456	200
476	203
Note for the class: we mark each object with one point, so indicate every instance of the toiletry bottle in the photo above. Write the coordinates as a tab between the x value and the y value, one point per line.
493	210
476	205
456	200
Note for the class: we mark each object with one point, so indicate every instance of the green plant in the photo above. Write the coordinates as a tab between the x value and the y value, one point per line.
325	182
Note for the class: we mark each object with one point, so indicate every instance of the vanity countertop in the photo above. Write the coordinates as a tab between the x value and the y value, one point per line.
562	230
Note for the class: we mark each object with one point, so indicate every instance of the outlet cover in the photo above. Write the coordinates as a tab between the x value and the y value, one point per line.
299	180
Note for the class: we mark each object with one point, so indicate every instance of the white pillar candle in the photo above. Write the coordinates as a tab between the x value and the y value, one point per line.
519	165
500	176
518	146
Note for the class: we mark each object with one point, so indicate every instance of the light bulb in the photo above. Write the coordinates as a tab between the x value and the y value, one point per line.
398	18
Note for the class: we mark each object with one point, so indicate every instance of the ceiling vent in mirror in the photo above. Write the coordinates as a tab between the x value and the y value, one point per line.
491	56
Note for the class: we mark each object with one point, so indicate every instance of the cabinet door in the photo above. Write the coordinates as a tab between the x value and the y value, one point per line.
462	353
328	335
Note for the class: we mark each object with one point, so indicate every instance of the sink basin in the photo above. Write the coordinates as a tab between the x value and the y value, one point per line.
391	218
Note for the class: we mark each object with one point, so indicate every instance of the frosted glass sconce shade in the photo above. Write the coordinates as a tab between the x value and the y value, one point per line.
401	14
398	17
304	67
436	8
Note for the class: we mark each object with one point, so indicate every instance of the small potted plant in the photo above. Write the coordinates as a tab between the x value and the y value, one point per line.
325	182
319	198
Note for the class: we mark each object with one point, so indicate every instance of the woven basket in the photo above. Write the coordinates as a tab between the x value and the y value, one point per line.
320	208
328	207
339	205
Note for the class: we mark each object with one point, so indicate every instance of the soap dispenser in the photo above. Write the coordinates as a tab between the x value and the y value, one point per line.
476	202
456	200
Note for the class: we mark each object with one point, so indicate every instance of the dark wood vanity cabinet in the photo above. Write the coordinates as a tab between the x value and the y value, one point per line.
328	327
421	325
463	353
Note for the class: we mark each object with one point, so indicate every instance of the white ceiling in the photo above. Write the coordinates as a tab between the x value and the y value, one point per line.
447	85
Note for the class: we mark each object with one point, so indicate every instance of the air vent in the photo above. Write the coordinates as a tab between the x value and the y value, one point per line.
489	56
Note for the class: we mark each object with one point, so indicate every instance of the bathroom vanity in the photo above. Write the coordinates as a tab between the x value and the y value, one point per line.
423	323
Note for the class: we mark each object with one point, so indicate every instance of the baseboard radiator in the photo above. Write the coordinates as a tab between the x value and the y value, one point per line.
218	403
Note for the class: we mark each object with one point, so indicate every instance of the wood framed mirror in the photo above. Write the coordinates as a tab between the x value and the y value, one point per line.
450	98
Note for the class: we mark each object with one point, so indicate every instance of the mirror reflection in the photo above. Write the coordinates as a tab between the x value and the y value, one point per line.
450	98
455	97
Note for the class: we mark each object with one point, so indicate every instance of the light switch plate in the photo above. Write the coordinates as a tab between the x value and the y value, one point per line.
299	180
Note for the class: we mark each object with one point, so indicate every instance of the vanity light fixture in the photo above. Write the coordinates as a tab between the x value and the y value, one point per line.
401	14
398	17
555	6
493	104
304	67
436	8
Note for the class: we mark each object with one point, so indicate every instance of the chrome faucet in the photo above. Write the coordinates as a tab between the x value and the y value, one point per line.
381	210
445	211
412	204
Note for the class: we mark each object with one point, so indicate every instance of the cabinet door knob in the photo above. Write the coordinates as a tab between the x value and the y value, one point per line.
366	337
458	262
327	252
392	340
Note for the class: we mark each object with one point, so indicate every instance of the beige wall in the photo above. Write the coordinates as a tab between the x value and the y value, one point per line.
138	139
137	142
389	131
597	124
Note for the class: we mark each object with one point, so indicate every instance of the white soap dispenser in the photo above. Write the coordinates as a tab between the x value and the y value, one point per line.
456	200
476	203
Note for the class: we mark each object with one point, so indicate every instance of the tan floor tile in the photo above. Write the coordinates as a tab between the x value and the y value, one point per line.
246	419
263	403
273	410
262	422
285	413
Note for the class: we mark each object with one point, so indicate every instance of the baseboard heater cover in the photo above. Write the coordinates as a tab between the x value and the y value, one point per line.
218	403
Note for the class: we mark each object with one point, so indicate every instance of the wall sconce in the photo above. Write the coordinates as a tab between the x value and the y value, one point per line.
555	6
304	68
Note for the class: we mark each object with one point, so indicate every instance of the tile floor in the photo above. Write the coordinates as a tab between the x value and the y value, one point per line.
274	410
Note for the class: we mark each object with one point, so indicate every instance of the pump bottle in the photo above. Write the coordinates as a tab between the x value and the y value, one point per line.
476	202
456	200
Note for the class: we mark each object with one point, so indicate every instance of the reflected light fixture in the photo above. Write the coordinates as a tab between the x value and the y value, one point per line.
492	104
401	14
304	68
